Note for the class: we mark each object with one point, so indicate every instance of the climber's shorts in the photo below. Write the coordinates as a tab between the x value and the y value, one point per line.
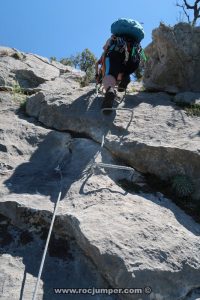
114	64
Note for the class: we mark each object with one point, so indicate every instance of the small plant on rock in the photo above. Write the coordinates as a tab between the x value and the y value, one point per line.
17	55
182	186
52	58
16	88
191	109
18	94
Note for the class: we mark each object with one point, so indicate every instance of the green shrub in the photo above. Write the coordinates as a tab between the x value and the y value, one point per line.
19	95
191	109
17	55
16	88
52	58
84	61
182	186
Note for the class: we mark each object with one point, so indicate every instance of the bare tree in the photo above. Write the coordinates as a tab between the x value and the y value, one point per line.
195	7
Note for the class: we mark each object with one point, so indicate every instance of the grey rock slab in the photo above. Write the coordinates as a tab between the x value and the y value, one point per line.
30	70
41	68
64	85
7	66
31	154
135	240
124	245
153	135
65	267
68	69
11	278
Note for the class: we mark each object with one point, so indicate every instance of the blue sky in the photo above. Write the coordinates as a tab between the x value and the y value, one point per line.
64	27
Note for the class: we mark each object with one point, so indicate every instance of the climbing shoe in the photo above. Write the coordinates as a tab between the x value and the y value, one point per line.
124	83
108	101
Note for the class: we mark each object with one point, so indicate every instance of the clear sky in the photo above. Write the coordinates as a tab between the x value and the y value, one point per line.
64	27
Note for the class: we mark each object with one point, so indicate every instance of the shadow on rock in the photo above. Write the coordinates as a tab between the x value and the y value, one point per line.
38	175
73	157
65	114
154	99
65	266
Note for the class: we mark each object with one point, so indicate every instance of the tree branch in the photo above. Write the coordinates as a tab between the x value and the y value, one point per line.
196	10
188	5
183	7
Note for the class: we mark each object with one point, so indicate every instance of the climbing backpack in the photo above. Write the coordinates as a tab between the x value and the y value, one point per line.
126	38
129	28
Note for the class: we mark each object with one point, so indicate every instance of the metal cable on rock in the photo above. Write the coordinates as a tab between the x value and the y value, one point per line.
49	236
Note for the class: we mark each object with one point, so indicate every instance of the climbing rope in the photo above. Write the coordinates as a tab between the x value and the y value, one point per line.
57	169
97	90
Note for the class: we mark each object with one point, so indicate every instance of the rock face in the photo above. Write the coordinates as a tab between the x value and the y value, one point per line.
174	59
117	239
20	257
188	98
158	138
29	70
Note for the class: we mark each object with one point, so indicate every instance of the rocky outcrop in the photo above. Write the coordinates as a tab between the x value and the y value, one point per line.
137	239
158	138
174	59
29	70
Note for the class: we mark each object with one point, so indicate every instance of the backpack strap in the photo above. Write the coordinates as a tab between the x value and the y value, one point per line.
138	50
143	56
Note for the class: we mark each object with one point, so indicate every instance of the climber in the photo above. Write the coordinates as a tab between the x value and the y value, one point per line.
121	57
99	70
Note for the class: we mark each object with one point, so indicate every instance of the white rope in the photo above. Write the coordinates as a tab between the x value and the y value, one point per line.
102	141
48	239
97	91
